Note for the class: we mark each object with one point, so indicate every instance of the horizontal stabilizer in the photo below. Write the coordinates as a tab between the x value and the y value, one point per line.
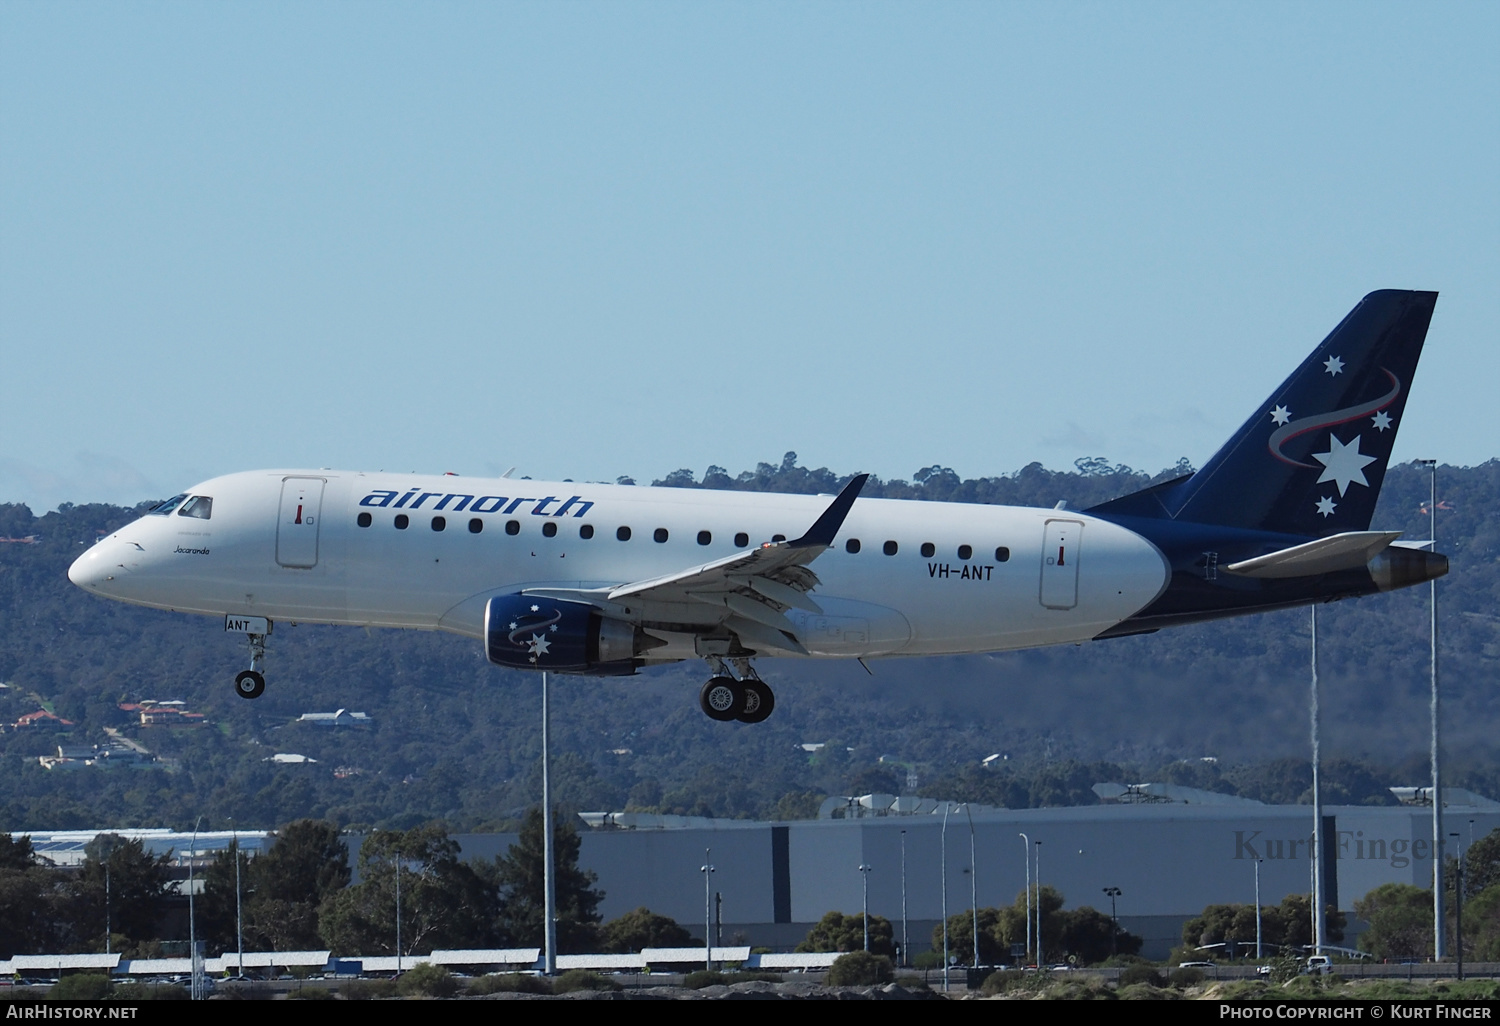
1348	551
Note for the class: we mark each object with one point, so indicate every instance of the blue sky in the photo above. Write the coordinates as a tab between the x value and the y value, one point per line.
590	240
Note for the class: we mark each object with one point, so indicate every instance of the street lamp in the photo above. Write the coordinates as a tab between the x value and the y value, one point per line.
864	872
1318	918
1437	793
239	923
947	806
1026	853
1258	954
549	877
1458	905
1039	905
195	987
973	882
707	869
905	951
1114	921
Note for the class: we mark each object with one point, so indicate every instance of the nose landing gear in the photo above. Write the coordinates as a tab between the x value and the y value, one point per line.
251	683
748	700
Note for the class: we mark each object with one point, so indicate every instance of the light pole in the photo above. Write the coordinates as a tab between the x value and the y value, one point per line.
549	877
864	872
1039	906
107	950
905	951
1026	852
1458	906
1437	792
195	987
707	869
1258	954
973	882
239	923
398	913
1114	920
947	806
1318	917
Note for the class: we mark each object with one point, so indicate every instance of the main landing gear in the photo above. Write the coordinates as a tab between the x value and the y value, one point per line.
251	683
748	699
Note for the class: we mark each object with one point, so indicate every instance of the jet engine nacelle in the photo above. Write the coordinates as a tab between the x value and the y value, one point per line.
547	634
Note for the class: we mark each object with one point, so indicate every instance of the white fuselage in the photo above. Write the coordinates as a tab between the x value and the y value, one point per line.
289	545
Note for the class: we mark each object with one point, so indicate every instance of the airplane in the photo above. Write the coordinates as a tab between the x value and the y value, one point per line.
605	579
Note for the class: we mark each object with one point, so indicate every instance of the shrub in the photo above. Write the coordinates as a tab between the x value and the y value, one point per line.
1141	974
703	978
860	969
510	983
368	990
80	987
427	979
1185	978
133	992
582	979
1002	981
310	994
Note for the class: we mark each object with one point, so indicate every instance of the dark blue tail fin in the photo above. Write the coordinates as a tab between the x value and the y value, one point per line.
1312	458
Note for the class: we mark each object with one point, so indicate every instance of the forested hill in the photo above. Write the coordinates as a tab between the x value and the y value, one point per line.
454	738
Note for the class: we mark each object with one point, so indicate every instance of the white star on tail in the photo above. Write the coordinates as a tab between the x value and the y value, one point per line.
1333	365
1343	464
539	645
1326	506
1382	420
1280	415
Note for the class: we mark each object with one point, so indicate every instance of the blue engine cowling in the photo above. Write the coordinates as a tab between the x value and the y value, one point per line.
566	637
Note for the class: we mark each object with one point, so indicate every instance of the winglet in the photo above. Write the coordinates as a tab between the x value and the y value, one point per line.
822	533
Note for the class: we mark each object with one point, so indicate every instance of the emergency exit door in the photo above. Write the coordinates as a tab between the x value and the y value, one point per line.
297	530
1060	549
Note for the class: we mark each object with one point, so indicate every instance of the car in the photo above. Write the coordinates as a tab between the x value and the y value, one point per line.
1195	965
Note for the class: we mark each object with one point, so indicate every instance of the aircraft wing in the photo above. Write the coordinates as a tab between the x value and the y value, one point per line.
747	592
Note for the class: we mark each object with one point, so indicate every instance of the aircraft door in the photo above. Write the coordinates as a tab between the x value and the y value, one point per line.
1060	550
297	529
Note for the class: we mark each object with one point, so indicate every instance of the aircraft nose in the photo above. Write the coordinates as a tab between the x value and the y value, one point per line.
105	562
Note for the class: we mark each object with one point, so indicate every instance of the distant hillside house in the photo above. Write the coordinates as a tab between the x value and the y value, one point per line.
163	714
43	720
342	718
288	759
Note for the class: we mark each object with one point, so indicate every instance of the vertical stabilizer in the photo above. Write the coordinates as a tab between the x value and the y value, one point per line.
1311	460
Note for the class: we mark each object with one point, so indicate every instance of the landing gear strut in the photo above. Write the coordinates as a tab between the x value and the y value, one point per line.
748	699
251	683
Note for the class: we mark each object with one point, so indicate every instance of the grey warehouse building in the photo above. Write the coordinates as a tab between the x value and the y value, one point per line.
1169	861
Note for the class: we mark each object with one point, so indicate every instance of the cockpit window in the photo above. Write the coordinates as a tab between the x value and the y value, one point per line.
166	507
199	506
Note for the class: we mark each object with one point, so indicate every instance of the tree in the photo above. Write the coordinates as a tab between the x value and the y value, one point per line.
838	932
519	875
643	929
1400	918
1090	936
136	889
216	905
28	899
444	903
993	945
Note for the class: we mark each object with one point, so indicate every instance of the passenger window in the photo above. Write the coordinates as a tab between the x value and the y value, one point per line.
401	521
476	525
623	534
704	538
928	550
890	548
741	540
1002	554
549	530
660	534
965	551
852	545
586	531
199	507
162	509
439	523
512	527
364	520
